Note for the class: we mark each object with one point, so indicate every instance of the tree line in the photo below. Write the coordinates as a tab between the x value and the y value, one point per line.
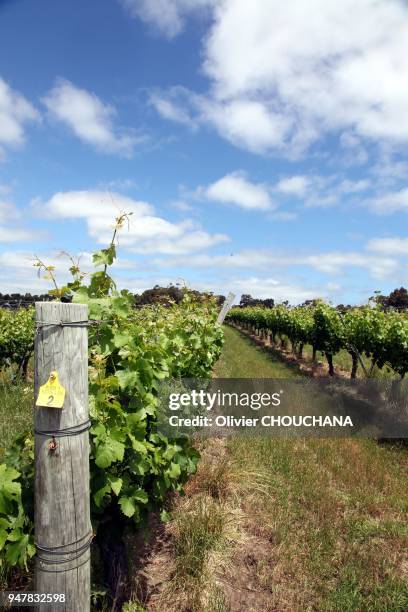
156	295
396	300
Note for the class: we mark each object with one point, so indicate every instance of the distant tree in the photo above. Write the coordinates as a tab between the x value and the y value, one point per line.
172	294
397	299
162	295
246	300
313	302
201	296
342	308
268	303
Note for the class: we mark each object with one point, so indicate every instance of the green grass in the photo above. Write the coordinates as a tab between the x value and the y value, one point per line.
231	361
16	410
336	512
343	360
241	358
323	522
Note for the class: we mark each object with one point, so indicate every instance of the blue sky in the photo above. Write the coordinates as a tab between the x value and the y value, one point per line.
260	146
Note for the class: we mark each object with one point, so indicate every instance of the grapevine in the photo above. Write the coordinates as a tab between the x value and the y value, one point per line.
133	466
381	336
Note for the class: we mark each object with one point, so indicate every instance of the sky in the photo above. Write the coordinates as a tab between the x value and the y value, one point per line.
260	146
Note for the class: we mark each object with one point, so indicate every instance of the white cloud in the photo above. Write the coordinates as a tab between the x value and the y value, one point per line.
294	185
246	123
4	189
313	191
15	112
11	228
266	287
168	16
354	152
172	110
387	203
333	287
8	212
235	189
184	241
182	206
322	200
333	263
283	75
257	260
321	191
17	274
91	205
260	287
348	186
283	216
390	170
144	232
178	104
389	246
16	234
89	118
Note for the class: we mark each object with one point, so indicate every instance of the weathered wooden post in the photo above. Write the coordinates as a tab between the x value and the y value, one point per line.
62	506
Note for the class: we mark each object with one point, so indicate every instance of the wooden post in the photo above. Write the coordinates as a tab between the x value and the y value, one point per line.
62	503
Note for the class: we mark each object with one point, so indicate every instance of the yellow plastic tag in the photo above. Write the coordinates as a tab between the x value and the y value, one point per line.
52	394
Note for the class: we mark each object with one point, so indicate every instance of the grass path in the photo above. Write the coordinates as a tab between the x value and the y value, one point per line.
287	525
241	358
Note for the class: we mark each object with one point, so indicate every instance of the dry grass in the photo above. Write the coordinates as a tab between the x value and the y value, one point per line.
206	528
287	525
196	545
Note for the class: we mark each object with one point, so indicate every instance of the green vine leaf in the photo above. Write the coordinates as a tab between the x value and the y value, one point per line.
108	452
116	484
127	506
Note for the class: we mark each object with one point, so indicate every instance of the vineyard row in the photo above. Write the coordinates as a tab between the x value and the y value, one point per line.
380	336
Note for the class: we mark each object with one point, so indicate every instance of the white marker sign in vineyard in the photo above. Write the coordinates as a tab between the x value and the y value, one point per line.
226	307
